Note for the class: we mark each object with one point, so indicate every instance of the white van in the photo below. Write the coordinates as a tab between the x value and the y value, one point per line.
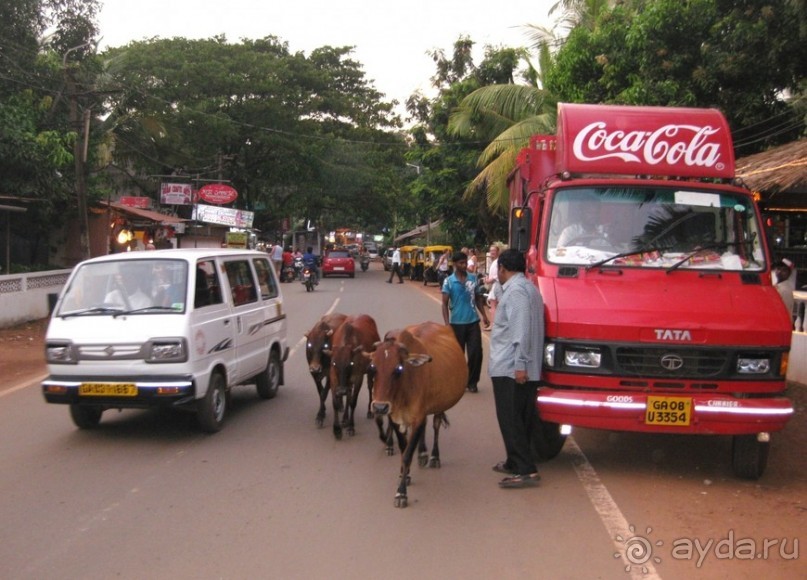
166	328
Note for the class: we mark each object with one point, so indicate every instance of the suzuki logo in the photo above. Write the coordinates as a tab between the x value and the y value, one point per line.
671	362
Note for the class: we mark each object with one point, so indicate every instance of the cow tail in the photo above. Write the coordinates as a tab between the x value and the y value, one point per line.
441	419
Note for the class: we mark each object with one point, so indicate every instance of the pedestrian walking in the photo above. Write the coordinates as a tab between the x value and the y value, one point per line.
277	257
492	280
462	305
396	266
514	365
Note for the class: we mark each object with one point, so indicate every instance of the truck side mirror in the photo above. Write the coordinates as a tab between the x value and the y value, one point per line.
520	228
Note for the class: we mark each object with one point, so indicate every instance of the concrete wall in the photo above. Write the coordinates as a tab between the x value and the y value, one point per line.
24	297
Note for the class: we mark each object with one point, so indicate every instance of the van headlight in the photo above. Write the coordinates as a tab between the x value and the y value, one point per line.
582	358
60	353
171	350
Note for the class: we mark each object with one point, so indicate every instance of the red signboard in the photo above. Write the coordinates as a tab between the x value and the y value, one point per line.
131	201
217	193
644	141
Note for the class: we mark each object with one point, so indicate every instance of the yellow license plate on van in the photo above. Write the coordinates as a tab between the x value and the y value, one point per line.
669	411
107	390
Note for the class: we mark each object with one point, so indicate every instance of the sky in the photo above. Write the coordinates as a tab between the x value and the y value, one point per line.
391	38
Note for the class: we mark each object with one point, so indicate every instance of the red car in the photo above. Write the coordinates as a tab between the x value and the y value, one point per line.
338	262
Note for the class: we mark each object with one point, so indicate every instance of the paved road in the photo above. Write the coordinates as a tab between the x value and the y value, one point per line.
271	496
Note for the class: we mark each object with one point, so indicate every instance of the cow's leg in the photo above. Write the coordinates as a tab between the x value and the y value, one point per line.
423	453
418	429
437	421
322	391
337	412
350	411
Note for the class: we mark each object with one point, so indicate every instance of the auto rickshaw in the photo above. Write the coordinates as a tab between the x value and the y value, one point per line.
417	265
407	253
431	259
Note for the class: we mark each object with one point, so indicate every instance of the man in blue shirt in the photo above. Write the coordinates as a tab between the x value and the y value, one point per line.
514	365
310	260
463	301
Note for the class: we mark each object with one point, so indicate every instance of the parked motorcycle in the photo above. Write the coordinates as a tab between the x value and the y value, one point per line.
364	261
309	279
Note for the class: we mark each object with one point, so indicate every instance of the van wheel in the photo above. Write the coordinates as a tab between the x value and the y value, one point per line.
211	409
749	457
547	440
268	381
85	416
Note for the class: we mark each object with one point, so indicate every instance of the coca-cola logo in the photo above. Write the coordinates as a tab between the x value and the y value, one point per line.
670	144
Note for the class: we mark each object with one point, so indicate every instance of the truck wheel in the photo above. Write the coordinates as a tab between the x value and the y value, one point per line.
749	457
211	409
268	381
547	440
85	416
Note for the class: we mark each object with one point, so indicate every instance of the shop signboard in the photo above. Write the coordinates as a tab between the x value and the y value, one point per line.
176	194
224	216
217	193
138	202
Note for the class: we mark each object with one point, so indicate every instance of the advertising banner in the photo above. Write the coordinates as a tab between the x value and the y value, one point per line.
224	216
176	194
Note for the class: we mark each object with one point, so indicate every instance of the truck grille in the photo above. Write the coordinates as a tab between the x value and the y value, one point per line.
666	362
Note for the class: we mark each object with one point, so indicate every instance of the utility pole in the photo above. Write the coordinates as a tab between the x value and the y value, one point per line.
81	124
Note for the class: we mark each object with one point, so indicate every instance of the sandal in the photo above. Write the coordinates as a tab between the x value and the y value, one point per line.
501	467
517	481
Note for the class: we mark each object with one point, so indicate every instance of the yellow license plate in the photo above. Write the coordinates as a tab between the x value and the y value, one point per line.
670	411
107	390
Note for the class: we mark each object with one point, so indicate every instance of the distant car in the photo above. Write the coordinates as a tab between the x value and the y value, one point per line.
372	249
387	259
338	262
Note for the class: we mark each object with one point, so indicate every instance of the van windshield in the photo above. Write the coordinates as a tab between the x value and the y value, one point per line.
126	287
670	228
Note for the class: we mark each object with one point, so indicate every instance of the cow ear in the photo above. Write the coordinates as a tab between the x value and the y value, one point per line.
369	355
417	360
329	333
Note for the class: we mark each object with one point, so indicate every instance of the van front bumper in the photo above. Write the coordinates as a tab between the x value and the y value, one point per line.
120	392
707	413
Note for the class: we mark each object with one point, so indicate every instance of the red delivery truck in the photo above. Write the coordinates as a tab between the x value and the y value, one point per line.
656	277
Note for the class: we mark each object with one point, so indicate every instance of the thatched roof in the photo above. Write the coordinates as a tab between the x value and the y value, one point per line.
781	169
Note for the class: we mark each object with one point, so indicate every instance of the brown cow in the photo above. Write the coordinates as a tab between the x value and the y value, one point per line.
318	342
419	371
356	335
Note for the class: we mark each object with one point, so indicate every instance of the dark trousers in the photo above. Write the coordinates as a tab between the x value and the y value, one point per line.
515	410
396	269
470	338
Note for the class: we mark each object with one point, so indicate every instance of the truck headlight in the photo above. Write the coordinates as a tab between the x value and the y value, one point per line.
585	358
753	366
60	353
549	354
166	351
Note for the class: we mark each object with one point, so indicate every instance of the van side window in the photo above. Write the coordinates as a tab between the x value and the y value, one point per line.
266	281
242	284
208	288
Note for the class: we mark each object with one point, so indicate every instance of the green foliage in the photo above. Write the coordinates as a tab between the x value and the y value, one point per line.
738	56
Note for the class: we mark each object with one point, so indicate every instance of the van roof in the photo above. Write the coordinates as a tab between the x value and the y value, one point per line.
190	254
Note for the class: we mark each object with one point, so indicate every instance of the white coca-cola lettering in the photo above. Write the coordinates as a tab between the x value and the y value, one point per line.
671	144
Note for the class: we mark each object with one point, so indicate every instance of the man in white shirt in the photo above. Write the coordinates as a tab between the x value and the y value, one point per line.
396	266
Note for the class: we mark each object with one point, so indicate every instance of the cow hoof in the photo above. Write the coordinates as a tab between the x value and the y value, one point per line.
423	460
400	501
389	451
434	462
320	422
370	414
351	431
337	434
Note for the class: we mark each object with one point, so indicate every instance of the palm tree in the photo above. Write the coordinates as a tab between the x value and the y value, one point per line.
507	115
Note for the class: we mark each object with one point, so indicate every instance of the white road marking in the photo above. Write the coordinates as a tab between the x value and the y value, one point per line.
34	381
612	518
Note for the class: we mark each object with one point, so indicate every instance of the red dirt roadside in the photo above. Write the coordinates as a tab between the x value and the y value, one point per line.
22	353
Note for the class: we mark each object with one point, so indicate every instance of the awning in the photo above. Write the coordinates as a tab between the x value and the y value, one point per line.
146	214
418	231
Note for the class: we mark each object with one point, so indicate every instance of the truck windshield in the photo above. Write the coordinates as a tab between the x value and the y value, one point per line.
650	227
112	288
